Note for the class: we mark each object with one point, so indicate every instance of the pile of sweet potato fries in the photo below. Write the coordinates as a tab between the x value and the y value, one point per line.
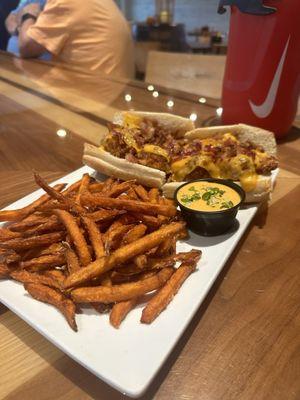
101	244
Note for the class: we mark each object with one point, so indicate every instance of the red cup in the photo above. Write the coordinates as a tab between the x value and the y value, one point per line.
262	77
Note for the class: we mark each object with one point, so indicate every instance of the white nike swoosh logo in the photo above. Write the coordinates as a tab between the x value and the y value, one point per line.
264	110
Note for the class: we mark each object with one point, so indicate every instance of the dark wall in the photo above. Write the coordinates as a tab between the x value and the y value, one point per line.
6	6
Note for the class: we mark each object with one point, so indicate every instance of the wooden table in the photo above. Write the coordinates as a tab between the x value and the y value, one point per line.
243	343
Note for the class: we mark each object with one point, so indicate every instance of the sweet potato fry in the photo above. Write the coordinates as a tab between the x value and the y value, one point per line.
122	292
33	241
52	249
72	260
161	299
6	234
4	271
56	274
123	254
53	205
56	195
116	224
96	187
32	277
162	219
118	189
118	279
95	236
31	253
53	224
126	219
134	233
53	193
44	262
101	308
51	296
15	215
106	280
150	264
141	193
153	195
124	196
152	251
28	222
129	205
9	256
182	235
128	270
132	195
75	233
84	185
169	202
105	215
165	247
107	185
149	220
71	189
189	257
115	236
120	311
140	261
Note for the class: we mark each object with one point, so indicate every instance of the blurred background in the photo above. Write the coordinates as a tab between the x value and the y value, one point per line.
177	44
192	28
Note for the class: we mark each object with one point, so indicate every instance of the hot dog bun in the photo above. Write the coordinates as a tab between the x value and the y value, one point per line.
107	164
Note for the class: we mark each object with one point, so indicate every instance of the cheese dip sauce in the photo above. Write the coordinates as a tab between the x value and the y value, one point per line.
207	196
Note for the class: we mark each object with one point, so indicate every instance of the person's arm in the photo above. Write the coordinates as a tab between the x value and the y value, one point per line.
28	47
50	32
13	20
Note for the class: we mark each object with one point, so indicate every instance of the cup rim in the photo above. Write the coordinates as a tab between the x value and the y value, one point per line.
225	182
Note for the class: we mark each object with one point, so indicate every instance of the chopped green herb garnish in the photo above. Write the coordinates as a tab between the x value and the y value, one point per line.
227	204
189	199
206	196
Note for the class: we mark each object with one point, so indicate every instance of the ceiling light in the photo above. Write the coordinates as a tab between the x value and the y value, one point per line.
219	111
61	133
193	117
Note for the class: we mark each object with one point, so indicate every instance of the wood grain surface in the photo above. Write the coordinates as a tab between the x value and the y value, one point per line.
243	343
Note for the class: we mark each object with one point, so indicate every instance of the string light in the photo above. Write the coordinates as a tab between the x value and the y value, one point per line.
150	88
193	117
155	94
61	133
202	100
219	111
170	103
128	98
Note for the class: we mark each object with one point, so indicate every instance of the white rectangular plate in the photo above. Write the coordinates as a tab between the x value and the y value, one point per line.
128	358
